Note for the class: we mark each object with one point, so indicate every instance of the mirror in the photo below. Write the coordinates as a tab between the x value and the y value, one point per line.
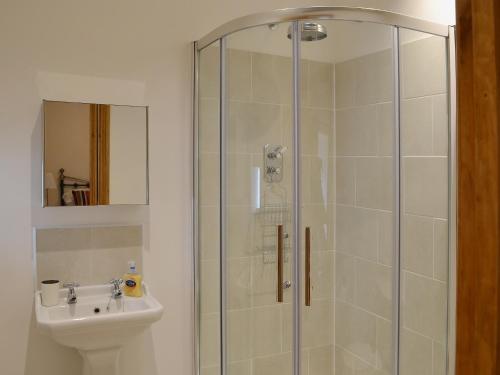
94	154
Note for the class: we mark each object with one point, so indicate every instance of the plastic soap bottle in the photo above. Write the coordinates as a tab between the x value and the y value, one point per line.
133	281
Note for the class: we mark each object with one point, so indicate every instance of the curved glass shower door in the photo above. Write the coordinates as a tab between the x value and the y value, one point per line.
347	174
324	206
257	152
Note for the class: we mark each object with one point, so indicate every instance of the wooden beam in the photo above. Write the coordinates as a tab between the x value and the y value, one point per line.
478	284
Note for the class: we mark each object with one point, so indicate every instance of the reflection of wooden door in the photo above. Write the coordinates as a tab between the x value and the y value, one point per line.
103	154
93	153
99	154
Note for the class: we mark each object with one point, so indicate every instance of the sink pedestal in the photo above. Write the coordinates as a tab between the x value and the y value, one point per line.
100	361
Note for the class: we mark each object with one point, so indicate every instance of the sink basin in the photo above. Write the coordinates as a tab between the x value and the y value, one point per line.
96	331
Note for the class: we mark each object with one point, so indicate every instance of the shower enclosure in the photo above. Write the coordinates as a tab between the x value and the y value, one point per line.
324	206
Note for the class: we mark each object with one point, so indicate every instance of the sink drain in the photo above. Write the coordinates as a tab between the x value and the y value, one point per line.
97	310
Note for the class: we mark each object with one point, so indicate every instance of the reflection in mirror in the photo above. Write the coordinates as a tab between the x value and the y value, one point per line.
95	154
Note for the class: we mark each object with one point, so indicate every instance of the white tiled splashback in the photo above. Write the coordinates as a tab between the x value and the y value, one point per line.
87	255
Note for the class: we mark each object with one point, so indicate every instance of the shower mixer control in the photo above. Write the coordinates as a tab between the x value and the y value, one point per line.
273	162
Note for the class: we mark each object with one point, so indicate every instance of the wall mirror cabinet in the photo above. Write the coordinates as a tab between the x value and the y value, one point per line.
94	154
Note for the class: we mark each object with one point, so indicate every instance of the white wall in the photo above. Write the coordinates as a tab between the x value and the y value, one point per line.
124	52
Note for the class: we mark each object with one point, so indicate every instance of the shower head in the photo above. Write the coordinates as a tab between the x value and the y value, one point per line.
310	31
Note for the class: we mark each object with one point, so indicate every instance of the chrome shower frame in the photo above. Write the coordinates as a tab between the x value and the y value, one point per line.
294	16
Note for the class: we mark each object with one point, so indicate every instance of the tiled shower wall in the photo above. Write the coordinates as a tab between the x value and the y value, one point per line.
347	330
424	147
364	204
363	214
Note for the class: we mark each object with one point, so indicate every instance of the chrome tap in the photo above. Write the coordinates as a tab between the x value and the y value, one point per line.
116	292
71	299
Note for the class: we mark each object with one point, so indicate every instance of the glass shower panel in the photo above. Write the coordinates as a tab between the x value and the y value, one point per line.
347	125
258	208
209	209
424	204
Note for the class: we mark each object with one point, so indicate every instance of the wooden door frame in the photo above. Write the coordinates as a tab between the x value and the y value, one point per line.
103	158
478	141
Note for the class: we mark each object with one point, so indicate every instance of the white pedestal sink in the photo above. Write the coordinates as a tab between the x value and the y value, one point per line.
88	326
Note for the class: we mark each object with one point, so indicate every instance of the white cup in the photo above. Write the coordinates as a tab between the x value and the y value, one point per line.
50	292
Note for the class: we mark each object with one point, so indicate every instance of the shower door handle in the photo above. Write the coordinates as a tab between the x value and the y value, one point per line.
279	261
308	267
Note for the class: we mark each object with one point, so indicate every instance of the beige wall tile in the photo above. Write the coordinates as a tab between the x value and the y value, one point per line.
317	324
418	244
209	167
345	277
423	65
385	238
426	186
263	282
266	330
321	361
287	326
239	334
345	84
208	125
65	239
210	370
239	74
208	227
374	183
280	364
239	293
91	255
384	345
210	340
317	132
240	368
320	219
439	359
385	128
440	124
65	266
345	180
253	125
373	287
322	274
356	131
113	263
113	237
344	362
320	85
374	78
424	306
416	354
240	225
271	78
239	177
441	251
306	182
357	231
321	180
355	330
416	126
210	286
363	368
